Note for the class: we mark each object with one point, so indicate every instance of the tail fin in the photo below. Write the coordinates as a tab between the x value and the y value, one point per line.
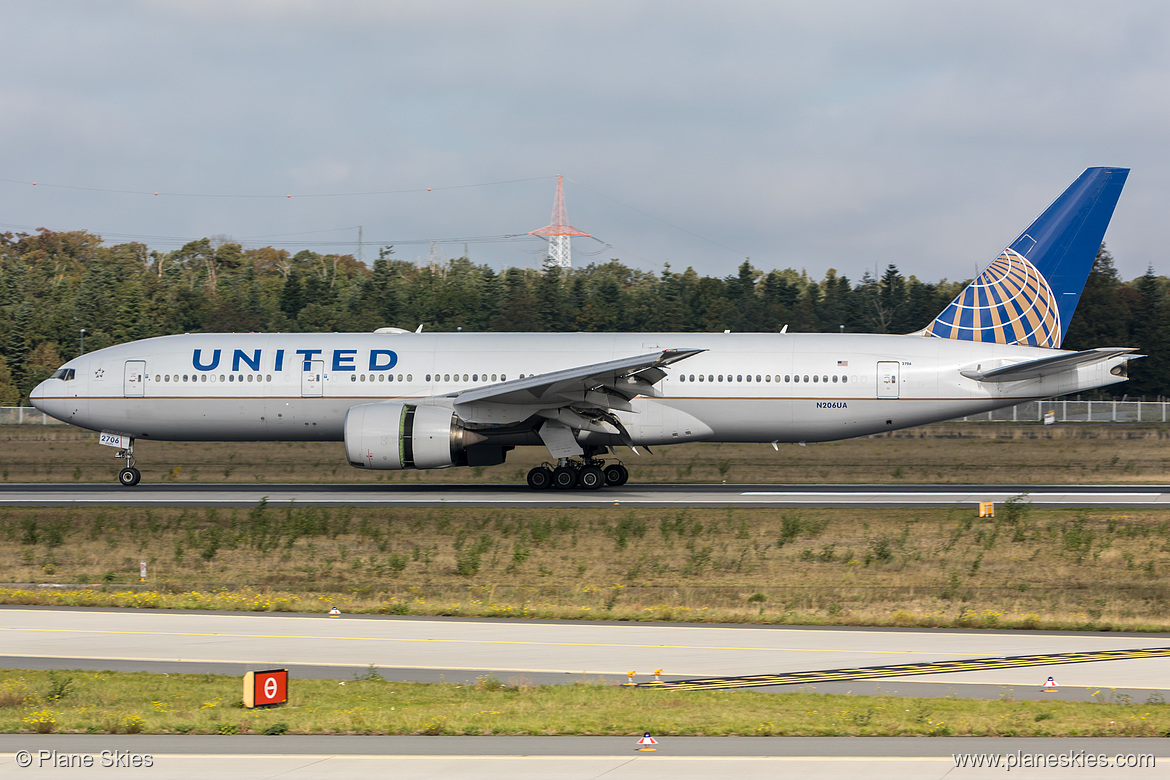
1028	295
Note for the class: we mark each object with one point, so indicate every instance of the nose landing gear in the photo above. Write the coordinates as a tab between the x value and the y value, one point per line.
129	476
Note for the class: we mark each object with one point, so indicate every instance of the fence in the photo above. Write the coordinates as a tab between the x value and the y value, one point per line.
1033	411
1079	411
25	415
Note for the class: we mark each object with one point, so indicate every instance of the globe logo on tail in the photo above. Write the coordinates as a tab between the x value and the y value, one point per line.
1009	303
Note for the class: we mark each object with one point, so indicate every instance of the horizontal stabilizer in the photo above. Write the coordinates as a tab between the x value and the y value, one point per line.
1031	369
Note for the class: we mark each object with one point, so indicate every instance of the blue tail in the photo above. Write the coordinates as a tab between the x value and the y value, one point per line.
1028	295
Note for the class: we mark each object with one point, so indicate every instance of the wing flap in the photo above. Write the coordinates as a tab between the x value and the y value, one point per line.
624	378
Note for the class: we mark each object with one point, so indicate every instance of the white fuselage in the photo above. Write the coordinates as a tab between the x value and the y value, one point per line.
746	387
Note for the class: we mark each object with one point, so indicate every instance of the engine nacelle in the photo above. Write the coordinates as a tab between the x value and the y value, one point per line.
405	436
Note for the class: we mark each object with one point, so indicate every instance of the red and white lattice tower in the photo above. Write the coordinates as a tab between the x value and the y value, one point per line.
559	231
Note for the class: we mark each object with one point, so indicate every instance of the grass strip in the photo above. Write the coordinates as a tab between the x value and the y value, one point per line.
953	453
1025	568
132	703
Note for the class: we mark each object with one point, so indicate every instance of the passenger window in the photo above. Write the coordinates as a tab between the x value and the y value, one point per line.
816	378
203	377
158	377
806	377
768	378
493	377
796	378
777	379
739	377
787	378
844	379
757	377
268	378
428	377
826	378
834	379
700	377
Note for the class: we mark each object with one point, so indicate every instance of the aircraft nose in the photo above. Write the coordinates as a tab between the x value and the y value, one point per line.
37	396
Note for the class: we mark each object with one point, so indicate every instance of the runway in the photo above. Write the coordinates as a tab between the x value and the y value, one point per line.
460	649
715	495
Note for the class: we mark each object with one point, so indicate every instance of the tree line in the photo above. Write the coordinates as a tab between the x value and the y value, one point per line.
54	284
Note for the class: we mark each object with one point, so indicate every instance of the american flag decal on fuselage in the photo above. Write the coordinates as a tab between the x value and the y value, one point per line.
1009	303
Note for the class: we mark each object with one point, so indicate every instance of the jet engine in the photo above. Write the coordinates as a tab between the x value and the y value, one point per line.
405	436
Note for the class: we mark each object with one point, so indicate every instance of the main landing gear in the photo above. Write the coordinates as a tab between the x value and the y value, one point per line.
570	473
129	476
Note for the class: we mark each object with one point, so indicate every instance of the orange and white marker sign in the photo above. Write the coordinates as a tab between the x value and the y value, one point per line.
1049	686
264	689
647	739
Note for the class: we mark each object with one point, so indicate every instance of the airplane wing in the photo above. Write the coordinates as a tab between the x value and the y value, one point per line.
1032	369
604	385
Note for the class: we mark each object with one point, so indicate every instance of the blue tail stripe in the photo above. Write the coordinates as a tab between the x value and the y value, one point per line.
1029	293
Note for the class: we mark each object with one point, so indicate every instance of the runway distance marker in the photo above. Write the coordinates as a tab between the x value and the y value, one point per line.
265	689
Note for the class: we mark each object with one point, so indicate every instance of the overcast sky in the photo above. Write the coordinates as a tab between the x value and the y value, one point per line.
812	135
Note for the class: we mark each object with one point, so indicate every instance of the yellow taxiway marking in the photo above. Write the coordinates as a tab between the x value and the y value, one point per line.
906	670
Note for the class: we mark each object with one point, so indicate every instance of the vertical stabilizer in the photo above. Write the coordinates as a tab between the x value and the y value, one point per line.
1028	295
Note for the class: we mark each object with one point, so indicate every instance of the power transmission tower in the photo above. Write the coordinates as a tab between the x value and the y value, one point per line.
559	231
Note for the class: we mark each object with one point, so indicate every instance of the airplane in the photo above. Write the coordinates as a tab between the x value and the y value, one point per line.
402	399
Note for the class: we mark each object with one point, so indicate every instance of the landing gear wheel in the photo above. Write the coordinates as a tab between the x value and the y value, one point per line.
616	475
564	478
540	478
129	477
590	478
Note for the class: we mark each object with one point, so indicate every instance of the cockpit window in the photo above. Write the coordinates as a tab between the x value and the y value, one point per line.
64	374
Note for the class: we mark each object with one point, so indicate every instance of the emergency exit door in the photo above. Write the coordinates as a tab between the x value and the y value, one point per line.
887	379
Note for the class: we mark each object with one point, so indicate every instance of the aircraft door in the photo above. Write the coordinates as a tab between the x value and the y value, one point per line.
311	379
887	379
134	380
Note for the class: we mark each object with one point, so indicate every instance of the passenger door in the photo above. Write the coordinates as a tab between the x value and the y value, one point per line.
134	379
311	379
887	379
